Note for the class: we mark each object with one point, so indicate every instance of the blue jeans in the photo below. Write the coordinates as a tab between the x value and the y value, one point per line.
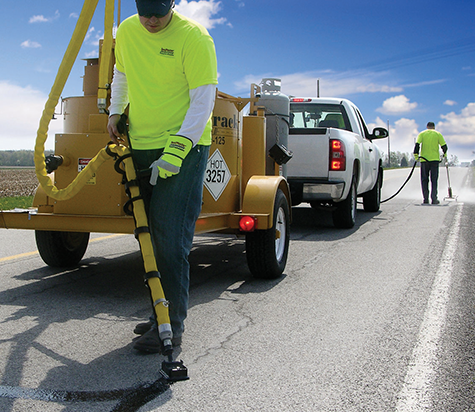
173	206
429	170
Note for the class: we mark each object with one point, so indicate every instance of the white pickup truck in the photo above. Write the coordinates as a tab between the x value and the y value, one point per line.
334	158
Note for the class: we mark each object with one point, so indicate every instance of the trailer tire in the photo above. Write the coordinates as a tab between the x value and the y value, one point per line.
344	216
267	250
61	249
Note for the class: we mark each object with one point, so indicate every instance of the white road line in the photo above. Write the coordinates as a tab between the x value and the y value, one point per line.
416	393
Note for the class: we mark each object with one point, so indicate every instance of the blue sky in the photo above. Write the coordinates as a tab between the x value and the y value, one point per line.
403	61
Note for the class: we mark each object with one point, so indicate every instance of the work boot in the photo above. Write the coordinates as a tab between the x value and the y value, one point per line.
143	328
435	202
151	343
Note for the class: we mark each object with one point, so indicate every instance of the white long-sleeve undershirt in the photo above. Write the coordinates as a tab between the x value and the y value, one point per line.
201	106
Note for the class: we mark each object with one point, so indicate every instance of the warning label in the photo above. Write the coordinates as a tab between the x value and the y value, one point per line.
217	174
82	163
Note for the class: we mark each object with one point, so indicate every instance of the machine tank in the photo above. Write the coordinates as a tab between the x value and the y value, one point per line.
277	111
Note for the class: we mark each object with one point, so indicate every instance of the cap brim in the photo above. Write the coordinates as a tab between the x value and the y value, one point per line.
149	7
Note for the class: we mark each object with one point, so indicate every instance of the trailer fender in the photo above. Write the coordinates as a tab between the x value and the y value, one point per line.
259	196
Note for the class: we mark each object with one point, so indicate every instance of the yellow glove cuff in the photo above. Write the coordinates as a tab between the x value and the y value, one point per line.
178	146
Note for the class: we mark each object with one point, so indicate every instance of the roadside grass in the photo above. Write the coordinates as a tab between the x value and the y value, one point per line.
22	202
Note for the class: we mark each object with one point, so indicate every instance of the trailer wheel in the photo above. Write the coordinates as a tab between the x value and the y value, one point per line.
344	216
372	199
61	249
267	250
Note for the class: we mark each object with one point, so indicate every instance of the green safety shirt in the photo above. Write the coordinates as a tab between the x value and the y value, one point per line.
161	68
430	140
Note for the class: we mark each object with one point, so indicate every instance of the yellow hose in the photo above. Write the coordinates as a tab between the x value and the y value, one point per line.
145	240
104	68
61	77
156	290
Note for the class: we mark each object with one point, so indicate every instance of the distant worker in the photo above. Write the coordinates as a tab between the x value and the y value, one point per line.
166	72
428	142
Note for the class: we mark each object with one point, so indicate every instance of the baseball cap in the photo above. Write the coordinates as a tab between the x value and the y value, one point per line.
149	8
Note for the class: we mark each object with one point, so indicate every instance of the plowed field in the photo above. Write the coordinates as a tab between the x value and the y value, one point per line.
17	182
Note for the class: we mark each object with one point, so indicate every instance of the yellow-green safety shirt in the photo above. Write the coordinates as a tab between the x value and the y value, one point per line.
430	140
161	68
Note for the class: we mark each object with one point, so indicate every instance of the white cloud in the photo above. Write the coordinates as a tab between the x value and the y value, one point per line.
459	128
42	19
92	54
425	83
397	105
450	103
22	108
201	11
332	84
28	44
402	134
93	36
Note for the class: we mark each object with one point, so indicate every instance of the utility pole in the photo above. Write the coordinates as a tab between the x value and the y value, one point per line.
389	147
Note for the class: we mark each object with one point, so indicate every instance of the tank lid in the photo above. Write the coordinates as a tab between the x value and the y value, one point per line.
270	85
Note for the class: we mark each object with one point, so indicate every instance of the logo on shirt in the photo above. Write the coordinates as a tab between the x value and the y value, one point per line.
167	52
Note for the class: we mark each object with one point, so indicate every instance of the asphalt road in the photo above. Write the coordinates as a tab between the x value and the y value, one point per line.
377	318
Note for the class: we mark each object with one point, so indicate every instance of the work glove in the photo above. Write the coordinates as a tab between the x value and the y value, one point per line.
170	161
416	157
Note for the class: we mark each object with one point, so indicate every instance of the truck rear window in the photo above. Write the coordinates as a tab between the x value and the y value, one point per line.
318	115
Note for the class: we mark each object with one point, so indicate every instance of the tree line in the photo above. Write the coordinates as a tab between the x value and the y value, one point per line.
399	159
22	158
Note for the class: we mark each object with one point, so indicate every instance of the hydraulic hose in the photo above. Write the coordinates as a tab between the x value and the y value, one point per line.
160	304
404	184
104	68
142	232
402	187
64	70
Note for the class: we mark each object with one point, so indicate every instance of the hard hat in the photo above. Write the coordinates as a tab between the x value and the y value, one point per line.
157	8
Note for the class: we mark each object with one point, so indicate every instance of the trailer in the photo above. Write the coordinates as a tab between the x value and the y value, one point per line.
245	189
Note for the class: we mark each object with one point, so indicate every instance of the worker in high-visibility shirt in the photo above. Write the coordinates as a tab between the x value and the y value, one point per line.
428	142
166	72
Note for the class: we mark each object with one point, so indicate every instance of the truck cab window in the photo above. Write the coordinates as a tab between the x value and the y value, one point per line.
315	115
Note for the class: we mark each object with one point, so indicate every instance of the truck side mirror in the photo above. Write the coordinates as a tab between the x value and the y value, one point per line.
379	133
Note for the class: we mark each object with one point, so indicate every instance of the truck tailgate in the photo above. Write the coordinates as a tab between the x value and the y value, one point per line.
310	148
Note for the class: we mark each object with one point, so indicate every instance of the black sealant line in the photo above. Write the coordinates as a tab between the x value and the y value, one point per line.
130	399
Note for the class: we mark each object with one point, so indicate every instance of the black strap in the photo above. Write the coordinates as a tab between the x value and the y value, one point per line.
128	207
139	230
151	274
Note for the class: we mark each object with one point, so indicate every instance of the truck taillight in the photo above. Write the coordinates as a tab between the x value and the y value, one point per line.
337	155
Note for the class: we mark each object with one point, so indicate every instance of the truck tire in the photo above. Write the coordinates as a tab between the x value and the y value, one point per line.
267	250
372	199
344	216
61	249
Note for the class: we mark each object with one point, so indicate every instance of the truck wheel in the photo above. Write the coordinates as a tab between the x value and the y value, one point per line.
372	199
61	249
267	250
344	216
